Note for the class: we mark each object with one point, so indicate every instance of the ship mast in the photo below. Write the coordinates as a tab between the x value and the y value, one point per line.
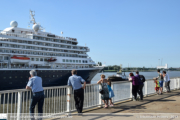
32	14
32	20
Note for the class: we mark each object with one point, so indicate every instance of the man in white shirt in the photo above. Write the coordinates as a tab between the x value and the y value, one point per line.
166	80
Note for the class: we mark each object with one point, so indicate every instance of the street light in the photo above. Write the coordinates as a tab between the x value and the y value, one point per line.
159	61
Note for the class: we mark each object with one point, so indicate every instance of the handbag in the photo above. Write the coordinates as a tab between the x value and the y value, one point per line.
101	91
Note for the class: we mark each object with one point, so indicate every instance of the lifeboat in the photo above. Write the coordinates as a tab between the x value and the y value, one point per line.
16	59
51	60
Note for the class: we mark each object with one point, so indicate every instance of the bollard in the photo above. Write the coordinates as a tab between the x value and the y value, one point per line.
19	105
68	100
100	101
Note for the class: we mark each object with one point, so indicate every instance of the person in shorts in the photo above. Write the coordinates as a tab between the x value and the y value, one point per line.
157	86
161	80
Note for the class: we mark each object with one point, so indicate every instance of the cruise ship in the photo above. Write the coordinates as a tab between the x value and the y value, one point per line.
52	56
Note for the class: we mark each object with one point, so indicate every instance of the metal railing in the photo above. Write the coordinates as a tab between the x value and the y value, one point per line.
61	99
16	34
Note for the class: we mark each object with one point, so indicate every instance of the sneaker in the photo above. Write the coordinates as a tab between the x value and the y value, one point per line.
111	105
106	106
138	99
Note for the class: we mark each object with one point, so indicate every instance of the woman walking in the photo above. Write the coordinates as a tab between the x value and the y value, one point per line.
135	85
105	94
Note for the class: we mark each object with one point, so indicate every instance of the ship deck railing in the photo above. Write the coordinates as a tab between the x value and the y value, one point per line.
60	99
5	67
19	34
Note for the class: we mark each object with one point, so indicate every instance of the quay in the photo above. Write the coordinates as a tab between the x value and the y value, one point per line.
59	101
166	105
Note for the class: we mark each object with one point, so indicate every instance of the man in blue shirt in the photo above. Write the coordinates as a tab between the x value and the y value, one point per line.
75	81
167	81
35	84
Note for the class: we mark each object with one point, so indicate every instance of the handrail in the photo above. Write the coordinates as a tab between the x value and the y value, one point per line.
60	99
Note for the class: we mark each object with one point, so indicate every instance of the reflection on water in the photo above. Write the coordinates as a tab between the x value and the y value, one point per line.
148	75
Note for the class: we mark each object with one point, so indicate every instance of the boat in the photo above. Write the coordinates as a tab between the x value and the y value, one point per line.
16	59
51	60
51	55
119	76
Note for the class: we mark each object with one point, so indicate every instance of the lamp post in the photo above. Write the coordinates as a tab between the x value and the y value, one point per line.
159	61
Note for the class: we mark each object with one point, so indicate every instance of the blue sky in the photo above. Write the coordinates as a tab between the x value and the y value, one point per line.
138	32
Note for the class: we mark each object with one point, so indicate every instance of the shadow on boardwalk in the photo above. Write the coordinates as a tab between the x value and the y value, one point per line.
154	105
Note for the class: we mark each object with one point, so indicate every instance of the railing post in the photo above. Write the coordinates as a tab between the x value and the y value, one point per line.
112	87
131	97
100	101
178	83
19	105
174	83
69	100
146	88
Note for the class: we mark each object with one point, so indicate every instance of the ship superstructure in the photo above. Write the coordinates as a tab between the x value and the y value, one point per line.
24	49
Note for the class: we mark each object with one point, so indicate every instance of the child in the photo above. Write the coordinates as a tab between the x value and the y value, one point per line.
157	86
111	93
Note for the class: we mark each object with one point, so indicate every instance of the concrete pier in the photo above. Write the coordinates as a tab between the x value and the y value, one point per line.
165	107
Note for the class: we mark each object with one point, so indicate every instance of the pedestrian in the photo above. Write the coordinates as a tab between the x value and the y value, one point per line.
160	79
167	81
141	85
35	84
105	94
75	81
111	93
135	85
157	86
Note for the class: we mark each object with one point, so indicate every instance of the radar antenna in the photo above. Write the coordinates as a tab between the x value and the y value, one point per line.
32	14
32	20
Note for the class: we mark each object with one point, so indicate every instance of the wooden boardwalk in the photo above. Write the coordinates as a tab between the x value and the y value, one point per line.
165	105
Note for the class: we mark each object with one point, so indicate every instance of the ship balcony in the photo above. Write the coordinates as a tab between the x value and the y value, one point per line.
31	36
83	55
29	44
28	53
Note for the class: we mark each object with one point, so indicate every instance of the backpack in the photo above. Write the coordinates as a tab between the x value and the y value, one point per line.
142	78
161	76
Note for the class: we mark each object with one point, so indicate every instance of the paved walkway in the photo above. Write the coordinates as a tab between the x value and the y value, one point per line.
156	106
